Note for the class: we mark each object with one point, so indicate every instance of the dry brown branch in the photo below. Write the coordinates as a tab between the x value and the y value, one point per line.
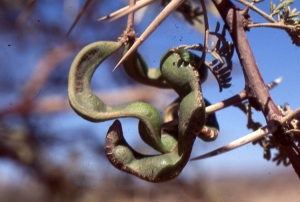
58	103
44	67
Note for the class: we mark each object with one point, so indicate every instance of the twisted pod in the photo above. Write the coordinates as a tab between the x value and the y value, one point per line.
177	72
184	79
92	108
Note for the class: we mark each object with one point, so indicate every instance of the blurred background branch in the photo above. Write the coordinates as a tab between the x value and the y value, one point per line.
47	152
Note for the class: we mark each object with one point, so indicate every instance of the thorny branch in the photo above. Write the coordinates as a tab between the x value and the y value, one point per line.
256	91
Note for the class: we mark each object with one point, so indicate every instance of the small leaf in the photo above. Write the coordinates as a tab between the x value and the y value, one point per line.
213	45
224	76
223	70
226	85
290	21
279	18
212	63
286	15
267	154
217	67
217	27
218	44
280	6
289	2
229	64
225	81
224	31
293	11
217	56
294	14
272	7
275	12
224	49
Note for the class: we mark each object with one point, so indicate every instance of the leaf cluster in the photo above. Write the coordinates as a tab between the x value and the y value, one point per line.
222	50
269	142
287	16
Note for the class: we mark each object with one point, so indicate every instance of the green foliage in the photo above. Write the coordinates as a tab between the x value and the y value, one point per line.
287	16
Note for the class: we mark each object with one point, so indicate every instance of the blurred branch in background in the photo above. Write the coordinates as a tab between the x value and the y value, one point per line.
34	98
26	134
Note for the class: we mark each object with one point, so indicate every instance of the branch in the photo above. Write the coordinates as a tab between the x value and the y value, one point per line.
260	12
257	93
256	90
206	34
272	25
57	103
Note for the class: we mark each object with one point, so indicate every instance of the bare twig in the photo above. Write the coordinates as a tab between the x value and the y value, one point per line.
57	103
269	128
272	25
206	35
257	93
26	12
241	96
254	8
44	67
130	22
38	79
226	103
84	8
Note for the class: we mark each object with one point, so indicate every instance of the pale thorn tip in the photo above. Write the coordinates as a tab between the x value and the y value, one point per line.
130	51
269	128
274	83
278	80
118	65
126	10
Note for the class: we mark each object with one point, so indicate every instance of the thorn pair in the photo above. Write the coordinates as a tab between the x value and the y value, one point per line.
156	22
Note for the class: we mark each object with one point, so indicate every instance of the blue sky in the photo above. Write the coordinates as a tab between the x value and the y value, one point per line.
275	55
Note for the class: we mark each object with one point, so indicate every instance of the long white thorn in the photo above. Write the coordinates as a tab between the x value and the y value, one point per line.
269	128
156	22
125	10
241	141
274	83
